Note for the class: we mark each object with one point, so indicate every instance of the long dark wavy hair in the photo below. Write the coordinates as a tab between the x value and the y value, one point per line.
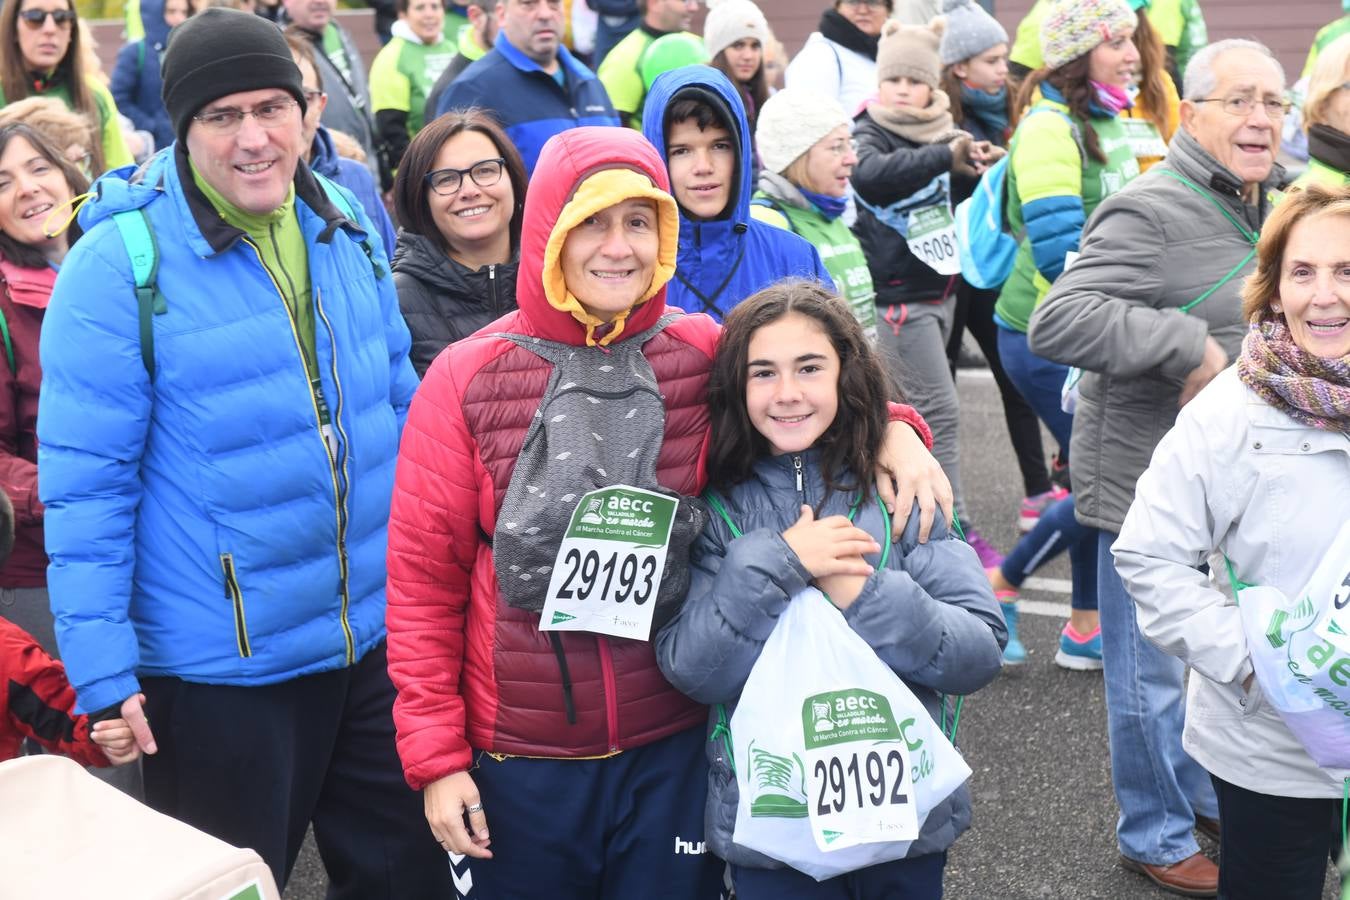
1152	70
849	448
24	255
15	78
1071	80
757	88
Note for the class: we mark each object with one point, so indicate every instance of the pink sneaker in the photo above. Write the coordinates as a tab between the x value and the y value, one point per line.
1032	507
989	557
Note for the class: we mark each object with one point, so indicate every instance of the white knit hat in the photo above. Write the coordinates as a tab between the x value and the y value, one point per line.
730	21
791	122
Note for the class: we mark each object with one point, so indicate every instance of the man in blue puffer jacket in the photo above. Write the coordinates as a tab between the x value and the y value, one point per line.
696	119
217	476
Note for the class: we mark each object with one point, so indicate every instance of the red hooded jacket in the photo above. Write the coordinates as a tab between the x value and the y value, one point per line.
472	672
23	302
36	701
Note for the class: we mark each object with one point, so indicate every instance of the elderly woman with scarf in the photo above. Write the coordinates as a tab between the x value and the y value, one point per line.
1256	472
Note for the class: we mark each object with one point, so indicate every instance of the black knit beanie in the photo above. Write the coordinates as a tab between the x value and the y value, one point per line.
224	51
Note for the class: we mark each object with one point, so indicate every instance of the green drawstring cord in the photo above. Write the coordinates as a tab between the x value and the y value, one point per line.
723	731
956	717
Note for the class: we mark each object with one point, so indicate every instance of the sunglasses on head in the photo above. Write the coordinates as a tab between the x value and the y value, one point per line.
36	17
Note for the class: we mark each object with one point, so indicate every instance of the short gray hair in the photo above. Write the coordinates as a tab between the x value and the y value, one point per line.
1200	80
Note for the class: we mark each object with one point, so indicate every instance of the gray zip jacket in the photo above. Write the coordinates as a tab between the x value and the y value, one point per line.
1147	251
929	615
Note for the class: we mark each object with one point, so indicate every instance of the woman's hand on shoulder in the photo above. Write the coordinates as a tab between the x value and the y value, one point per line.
906	473
830	546
446	803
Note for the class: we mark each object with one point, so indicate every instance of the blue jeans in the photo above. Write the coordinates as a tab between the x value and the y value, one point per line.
1058	530
1159	788
1039	381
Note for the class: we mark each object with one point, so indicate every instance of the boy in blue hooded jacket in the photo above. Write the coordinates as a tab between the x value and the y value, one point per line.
695	117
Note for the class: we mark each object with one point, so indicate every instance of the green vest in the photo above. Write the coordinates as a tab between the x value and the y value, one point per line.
1323	174
838	248
1026	287
404	73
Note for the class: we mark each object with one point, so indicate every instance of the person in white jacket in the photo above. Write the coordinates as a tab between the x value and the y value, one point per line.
839	59
1257	470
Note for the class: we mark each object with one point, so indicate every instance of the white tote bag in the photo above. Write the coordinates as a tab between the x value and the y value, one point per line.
837	762
1300	651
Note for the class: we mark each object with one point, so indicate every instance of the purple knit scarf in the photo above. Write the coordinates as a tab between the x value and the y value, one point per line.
1309	389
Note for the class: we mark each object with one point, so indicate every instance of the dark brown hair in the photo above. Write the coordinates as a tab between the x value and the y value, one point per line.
757	88
15	80
1152	72
24	255
410	188
1263	285
849	448
1071	80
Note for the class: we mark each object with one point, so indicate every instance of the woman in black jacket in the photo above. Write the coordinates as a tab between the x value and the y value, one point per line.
459	197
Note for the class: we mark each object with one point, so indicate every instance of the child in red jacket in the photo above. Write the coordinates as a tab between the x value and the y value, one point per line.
36	701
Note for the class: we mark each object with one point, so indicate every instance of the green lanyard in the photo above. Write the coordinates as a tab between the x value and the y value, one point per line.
1250	236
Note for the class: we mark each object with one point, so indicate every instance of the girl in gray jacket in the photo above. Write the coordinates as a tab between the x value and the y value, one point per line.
797	398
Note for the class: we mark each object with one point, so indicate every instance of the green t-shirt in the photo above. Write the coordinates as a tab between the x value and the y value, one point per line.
839	250
1045	162
621	74
404	73
281	247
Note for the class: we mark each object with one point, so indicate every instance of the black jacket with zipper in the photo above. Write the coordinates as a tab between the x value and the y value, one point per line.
891	169
443	301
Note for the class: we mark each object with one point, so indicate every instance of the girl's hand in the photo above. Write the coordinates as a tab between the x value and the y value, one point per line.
841	590
917	476
830	546
446	802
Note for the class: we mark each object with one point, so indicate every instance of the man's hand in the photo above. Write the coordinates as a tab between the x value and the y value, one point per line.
906	472
1211	364
446	802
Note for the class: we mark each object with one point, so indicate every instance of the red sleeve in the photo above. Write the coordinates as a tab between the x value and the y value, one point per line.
18	476
433	542
40	702
903	412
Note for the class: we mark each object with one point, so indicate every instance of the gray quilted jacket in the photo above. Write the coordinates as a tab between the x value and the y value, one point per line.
1148	250
930	615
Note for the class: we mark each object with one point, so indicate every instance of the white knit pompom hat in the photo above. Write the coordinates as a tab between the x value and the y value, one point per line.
732	20
791	122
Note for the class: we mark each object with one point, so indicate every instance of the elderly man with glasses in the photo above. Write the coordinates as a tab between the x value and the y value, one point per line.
227	377
1150	310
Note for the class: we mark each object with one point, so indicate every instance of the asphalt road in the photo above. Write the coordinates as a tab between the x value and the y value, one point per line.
1044	817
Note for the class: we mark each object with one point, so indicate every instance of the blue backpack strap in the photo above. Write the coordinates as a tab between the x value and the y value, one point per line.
139	239
344	206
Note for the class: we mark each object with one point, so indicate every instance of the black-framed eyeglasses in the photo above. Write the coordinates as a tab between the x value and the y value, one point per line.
35	18
447	182
1243	106
228	120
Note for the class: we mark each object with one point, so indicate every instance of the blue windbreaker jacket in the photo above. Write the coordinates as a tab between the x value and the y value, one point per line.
355	177
196	523
722	262
526	100
136	83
